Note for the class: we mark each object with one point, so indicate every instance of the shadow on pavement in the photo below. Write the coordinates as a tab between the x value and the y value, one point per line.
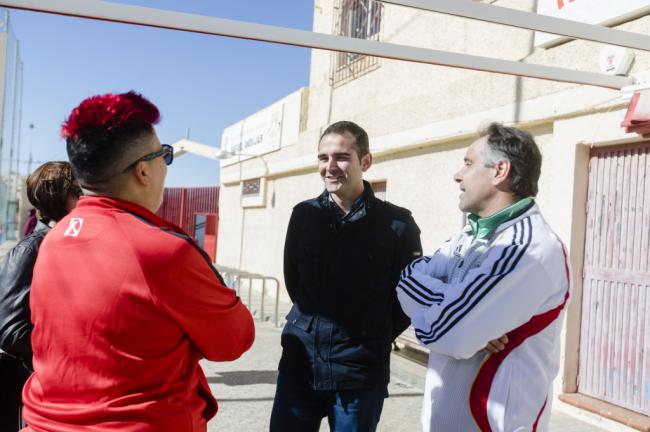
236	378
268	399
261	399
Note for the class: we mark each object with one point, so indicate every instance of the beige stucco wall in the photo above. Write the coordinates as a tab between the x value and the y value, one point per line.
419	118
264	228
400	95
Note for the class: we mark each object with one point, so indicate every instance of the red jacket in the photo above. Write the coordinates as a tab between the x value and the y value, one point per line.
124	306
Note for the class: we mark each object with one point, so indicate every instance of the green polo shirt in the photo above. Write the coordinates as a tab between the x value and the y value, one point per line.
483	227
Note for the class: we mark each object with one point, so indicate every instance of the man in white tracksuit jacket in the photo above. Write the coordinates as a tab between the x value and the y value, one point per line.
500	284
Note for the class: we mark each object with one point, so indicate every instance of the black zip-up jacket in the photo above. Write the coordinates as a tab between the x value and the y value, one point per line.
16	270
341	278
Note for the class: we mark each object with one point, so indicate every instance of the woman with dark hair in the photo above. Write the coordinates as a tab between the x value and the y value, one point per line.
53	191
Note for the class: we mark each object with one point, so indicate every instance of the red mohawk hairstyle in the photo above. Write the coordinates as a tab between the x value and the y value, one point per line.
103	131
106	113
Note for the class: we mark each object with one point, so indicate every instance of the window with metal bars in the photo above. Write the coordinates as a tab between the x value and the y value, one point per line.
358	19
251	187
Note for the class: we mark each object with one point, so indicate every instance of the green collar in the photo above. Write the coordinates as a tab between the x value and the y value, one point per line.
483	227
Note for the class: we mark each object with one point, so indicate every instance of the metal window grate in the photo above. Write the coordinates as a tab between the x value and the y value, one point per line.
251	187
615	320
358	19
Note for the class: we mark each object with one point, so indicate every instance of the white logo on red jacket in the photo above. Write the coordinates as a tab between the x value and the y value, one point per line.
74	228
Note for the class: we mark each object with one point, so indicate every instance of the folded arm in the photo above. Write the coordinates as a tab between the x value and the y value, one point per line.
211	314
504	292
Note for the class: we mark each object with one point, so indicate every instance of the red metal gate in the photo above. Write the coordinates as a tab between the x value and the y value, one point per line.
181	205
615	328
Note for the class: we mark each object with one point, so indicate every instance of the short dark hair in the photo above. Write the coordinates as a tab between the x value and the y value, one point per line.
48	188
360	136
519	147
105	130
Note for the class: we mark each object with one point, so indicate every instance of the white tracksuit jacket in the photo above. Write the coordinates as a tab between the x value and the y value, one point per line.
471	291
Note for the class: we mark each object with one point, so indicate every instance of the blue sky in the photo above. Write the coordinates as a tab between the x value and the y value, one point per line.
200	82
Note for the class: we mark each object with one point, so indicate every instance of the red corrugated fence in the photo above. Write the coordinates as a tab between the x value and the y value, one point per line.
181	205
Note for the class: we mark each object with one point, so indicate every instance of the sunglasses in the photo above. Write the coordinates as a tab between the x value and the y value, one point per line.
166	152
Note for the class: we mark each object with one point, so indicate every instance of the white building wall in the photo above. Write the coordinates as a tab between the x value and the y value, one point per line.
420	119
431	111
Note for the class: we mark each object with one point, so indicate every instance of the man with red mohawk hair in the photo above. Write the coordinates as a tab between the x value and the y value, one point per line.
125	304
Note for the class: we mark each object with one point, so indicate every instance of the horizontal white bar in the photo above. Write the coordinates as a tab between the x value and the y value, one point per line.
186	146
530	20
129	14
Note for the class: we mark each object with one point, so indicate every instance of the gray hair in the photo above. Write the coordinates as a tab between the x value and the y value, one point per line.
492	156
519	148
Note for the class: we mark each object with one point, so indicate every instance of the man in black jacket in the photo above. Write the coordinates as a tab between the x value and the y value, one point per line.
343	255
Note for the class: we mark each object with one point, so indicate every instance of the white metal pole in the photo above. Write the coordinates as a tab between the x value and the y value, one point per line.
129	14
531	21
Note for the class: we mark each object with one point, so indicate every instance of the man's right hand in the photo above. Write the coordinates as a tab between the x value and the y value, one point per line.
496	345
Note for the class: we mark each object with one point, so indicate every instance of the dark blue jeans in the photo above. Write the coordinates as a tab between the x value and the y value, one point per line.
298	408
13	374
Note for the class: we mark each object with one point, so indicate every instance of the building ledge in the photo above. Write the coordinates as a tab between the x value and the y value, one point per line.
573	102
622	415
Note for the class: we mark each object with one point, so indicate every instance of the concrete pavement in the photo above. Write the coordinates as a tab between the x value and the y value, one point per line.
245	390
